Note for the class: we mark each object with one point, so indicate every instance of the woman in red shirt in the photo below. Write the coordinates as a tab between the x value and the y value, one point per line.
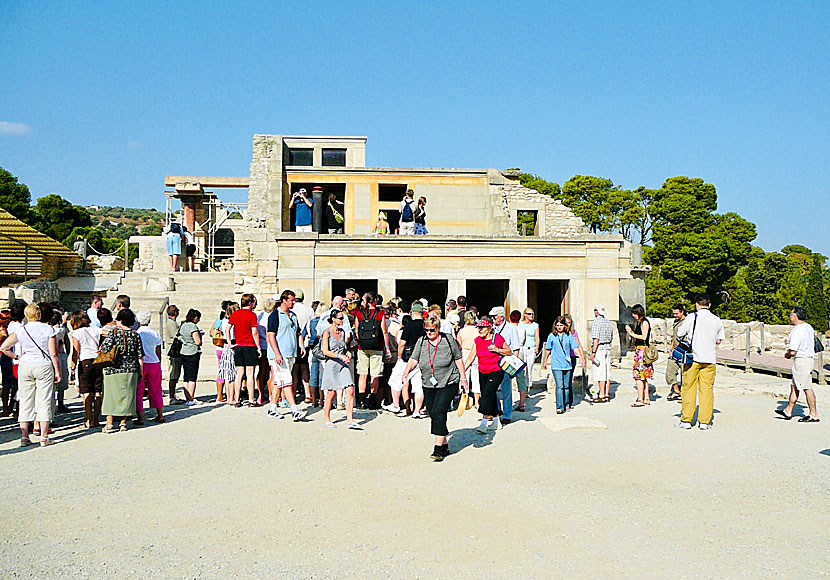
488	350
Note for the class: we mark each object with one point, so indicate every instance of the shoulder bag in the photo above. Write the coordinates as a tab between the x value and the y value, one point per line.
107	359
682	353
510	364
651	355
175	350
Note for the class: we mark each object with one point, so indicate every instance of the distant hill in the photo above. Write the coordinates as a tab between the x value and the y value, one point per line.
123	222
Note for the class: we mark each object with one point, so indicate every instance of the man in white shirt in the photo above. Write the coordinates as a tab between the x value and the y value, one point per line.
510	334
706	332
92	311
801	348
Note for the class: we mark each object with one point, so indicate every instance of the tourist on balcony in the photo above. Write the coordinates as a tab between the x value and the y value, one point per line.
121	379
302	205
174	241
191	337
334	215
189	248
90	379
150	378
408	208
438	357
642	372
421	217
381	226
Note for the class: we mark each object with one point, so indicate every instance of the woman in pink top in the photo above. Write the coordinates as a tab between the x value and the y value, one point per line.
488	350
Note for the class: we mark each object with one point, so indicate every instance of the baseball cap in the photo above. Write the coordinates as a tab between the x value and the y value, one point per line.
600	308
497	311
299	294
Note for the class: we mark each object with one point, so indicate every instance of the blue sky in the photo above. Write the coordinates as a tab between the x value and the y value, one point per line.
102	100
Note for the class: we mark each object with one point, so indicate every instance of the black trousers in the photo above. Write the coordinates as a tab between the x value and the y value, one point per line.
438	402
488	403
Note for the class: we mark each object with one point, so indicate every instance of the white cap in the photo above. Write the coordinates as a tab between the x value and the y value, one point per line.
497	311
600	309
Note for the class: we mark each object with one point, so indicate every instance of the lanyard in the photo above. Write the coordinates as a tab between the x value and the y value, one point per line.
432	357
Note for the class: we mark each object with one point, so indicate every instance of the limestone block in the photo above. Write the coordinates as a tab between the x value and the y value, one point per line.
107	263
38	291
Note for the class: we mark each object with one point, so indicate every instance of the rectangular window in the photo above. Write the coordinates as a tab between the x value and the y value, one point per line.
303	157
334	157
391	192
526	222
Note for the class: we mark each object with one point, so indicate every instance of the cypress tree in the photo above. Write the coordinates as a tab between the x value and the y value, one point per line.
814	300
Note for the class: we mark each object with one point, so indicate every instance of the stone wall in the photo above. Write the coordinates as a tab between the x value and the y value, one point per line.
266	183
255	262
774	335
554	219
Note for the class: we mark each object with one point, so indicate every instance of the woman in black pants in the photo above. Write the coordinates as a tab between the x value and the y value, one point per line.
489	350
438	356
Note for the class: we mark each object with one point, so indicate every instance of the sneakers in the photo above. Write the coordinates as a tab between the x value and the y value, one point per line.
391	408
685	425
355	426
481	429
273	413
299	415
704	426
175	401
191	403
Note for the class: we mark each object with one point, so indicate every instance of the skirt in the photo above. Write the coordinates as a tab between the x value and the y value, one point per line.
641	371
227	368
119	394
420	230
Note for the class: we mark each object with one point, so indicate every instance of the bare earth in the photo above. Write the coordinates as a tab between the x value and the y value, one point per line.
606	491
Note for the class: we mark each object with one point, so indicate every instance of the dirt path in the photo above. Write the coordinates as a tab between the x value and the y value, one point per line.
229	493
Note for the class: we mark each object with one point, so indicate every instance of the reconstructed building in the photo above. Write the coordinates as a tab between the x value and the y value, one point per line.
474	246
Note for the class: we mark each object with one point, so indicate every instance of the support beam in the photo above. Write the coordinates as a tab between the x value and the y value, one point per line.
172	180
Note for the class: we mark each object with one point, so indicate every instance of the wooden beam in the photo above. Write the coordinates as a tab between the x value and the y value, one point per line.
172	180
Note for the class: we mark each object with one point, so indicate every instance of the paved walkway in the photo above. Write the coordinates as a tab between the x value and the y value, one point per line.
606	491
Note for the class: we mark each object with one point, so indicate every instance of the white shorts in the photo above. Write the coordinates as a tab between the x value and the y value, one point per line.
472	378
283	374
803	372
416	384
304	229
601	369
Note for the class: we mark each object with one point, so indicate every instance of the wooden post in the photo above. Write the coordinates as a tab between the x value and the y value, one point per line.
747	367
822	378
126	254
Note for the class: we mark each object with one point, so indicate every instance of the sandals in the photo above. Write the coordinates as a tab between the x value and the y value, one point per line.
808	419
355	426
25	441
109	429
784	415
638	404
330	425
521	409
46	442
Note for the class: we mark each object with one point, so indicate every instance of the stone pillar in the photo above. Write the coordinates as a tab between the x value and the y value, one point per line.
456	288
318	214
386	288
516	294
189	210
265	189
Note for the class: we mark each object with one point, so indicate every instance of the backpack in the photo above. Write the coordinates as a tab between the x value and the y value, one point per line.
368	332
406	214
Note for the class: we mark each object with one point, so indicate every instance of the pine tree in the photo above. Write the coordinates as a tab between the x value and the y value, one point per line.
814	300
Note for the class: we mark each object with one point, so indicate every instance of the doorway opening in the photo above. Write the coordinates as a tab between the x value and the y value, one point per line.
338	287
485	294
435	291
548	299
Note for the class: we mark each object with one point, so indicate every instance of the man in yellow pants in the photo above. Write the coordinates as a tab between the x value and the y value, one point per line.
706	333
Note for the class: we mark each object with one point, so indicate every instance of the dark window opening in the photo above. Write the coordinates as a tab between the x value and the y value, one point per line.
485	294
334	157
318	211
338	287
223	243
435	291
547	299
526	222
391	192
304	157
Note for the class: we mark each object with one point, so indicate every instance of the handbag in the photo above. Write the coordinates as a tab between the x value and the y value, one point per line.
682	353
651	355
512	365
818	346
218	337
107	359
317	351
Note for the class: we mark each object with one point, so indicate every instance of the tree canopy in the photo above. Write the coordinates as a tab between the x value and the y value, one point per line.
14	197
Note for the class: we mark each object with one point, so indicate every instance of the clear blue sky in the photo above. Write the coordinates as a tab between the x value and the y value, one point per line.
102	100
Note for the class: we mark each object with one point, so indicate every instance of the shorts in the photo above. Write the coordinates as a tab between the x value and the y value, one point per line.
190	250
174	245
283	375
370	362
601	369
90	379
245	356
174	368
416	383
190	365
803	372
304	229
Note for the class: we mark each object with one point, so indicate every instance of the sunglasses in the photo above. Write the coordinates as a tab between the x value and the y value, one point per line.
338	318
430	330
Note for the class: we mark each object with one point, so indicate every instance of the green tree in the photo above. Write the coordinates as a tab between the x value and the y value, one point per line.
57	217
597	201
541	185
662	294
814	297
764	276
152	230
14	197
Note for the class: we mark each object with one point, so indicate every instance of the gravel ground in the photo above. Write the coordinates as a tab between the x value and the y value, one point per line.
605	491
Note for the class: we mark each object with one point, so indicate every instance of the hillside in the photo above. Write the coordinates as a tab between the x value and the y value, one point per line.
123	222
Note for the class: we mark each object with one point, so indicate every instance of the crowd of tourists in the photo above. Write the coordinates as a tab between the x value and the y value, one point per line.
411	359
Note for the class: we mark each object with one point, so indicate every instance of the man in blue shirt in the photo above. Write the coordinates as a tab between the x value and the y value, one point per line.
302	211
283	338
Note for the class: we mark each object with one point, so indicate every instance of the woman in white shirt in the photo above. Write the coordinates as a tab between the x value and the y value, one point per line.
85	341
151	371
39	369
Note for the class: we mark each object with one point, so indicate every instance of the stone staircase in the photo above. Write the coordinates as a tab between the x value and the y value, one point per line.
203	291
